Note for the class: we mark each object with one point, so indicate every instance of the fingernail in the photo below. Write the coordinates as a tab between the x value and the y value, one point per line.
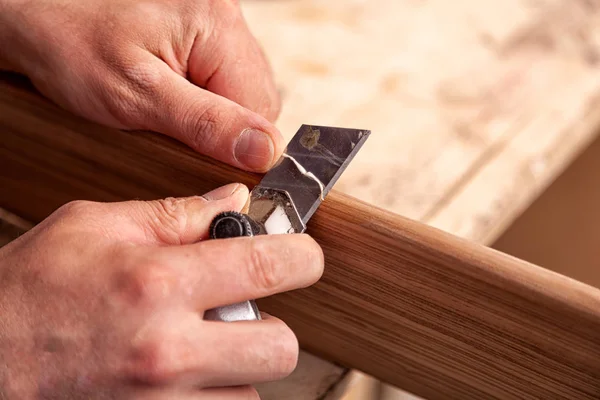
254	149
222	193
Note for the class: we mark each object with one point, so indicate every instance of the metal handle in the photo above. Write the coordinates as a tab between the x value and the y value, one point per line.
245	311
229	225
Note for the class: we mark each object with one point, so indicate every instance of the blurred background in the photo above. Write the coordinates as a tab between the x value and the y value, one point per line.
483	116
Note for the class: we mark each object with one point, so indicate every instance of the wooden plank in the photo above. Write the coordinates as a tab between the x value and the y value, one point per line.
475	105
433	81
404	302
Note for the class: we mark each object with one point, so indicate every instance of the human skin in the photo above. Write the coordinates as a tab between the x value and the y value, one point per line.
189	69
106	301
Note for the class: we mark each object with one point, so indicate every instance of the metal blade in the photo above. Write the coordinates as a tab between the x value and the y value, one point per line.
312	163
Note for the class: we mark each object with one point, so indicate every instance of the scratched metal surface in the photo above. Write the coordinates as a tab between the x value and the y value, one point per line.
316	158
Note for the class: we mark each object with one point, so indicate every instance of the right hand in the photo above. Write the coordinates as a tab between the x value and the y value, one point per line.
106	301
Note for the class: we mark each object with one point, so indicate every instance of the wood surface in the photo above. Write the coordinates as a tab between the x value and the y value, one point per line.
409	304
475	105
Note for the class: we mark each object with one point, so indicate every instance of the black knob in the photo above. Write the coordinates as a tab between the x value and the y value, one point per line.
230	224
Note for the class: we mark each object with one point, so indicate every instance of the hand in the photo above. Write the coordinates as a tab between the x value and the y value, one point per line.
189	69
105	301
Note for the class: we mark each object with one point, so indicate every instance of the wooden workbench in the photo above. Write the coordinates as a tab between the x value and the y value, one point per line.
475	108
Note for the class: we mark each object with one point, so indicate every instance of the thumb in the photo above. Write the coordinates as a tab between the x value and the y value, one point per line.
175	221
211	124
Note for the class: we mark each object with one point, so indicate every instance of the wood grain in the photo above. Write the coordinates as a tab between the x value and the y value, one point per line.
475	105
416	307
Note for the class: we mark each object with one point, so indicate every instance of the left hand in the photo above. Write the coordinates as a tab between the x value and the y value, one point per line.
189	69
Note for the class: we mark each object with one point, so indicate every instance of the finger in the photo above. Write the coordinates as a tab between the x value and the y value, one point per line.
174	221
207	122
233	393
185	351
230	393
242	72
221	272
252	351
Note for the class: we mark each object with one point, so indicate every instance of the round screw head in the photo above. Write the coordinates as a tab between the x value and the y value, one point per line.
230	224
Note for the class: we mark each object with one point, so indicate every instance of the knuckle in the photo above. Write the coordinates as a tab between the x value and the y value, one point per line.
206	126
75	219
139	86
153	361
76	207
263	271
143	78
123	104
148	285
170	219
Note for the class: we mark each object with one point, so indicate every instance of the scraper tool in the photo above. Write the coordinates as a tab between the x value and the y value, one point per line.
288	195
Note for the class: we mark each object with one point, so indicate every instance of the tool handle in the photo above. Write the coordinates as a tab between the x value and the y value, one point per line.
228	225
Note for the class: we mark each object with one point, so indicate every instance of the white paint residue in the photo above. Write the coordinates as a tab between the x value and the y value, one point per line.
306	173
278	222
